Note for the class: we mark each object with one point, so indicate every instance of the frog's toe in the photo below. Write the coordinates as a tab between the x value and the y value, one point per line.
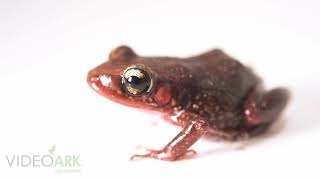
163	155
155	154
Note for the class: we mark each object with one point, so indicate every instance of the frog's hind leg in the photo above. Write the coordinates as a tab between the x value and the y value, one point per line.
261	109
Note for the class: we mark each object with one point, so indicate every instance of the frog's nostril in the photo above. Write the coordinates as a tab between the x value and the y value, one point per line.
94	82
93	79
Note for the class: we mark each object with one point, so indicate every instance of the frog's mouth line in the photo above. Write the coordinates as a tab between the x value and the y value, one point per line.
109	86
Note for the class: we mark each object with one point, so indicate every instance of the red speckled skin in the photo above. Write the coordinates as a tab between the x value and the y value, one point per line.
211	93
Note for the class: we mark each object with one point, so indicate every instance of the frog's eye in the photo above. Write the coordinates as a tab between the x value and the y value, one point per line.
137	81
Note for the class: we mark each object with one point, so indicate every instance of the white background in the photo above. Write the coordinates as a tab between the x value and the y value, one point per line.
47	48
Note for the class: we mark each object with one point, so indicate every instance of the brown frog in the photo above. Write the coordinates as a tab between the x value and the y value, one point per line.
211	93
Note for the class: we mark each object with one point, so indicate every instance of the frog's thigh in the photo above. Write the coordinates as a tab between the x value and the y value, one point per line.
265	107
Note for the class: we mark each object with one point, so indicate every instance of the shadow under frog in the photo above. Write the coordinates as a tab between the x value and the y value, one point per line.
211	93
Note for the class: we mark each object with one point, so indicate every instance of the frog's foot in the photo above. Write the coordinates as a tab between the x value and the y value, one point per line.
261	108
163	155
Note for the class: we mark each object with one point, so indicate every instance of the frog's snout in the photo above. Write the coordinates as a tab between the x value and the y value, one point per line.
94	82
104	84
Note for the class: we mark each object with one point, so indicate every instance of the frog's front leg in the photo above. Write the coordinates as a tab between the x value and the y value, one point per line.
179	145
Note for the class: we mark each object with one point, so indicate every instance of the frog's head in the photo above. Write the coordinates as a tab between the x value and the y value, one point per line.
131	80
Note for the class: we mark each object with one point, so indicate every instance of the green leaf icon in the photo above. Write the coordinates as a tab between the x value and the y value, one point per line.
52	149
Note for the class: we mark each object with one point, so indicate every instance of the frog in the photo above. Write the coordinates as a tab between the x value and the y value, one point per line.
210	94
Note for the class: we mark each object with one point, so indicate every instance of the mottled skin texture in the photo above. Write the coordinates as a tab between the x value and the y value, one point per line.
211	94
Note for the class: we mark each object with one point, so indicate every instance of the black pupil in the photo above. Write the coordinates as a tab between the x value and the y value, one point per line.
134	80
140	84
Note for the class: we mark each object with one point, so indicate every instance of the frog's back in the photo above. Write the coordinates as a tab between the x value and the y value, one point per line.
221	77
215	76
